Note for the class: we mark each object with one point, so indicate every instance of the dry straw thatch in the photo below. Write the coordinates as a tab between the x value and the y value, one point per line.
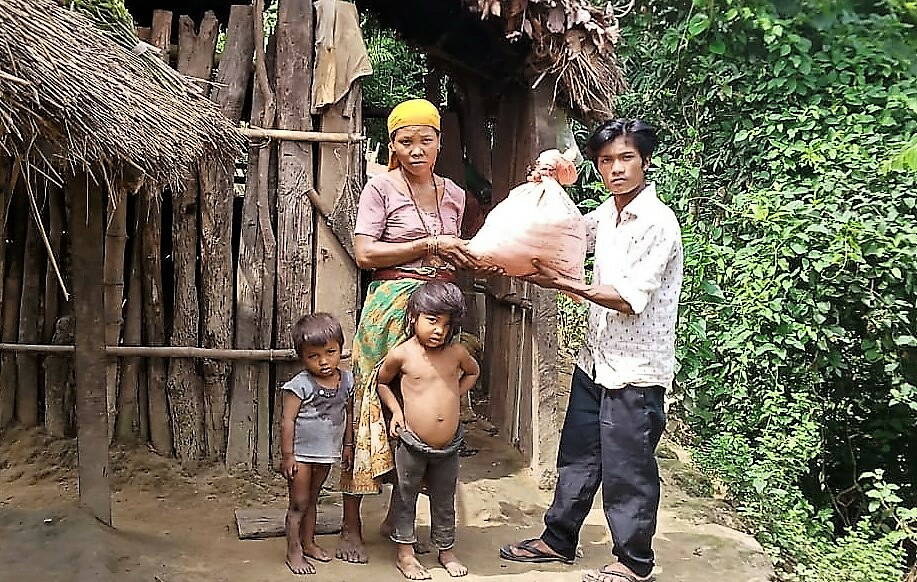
572	42
71	98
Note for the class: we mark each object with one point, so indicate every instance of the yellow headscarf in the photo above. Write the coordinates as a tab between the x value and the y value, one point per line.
411	112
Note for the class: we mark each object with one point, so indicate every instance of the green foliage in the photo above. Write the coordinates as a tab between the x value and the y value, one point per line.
789	133
398	73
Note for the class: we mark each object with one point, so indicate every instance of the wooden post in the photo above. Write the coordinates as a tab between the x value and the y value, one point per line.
153	316
52	307
294	179
132	422
337	277
59	383
249	412
12	290
154	321
186	397
115	244
29	324
216	229
161	33
89	359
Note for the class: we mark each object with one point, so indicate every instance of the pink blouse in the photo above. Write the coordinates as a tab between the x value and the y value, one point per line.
388	215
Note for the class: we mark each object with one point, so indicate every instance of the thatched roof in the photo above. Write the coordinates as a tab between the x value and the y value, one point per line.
573	41
70	96
568	43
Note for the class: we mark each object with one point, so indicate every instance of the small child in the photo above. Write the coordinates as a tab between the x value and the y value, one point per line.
315	432
435	373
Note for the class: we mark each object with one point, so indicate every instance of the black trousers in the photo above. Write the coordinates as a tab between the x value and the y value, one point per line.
609	438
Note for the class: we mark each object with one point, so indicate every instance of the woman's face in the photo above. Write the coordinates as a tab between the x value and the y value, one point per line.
416	147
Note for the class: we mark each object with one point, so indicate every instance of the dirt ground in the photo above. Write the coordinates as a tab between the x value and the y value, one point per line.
171	527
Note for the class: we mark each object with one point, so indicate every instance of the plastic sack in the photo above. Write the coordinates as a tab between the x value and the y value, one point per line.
538	220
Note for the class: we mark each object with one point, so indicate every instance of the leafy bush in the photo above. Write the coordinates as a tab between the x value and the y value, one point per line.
788	132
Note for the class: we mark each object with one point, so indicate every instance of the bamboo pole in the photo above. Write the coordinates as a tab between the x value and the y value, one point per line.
185	389
113	282
297	135
217	198
136	351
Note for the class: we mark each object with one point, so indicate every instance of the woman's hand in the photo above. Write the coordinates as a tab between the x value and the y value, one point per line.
542	170
347	457
455	251
544	276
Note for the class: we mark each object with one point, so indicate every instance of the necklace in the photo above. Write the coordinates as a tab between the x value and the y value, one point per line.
434	260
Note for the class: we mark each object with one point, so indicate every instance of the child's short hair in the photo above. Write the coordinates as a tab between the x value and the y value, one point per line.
438	298
316	330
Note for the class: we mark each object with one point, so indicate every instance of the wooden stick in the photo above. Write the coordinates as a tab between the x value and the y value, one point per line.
257	355
113	283
293	135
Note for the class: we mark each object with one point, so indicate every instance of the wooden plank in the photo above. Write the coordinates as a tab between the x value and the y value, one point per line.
295	221
186	396
258	523
249	412
337	277
161	33
217	196
88	204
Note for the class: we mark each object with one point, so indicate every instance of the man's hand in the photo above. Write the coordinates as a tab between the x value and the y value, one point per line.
347	457
541	170
289	467
544	276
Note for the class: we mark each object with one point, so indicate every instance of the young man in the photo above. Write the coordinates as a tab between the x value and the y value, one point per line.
616	417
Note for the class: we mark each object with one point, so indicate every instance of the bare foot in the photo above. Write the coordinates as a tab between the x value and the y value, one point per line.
315	552
351	549
386	530
451	563
411	568
298	564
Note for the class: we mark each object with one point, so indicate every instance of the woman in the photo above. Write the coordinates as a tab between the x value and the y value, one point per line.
408	222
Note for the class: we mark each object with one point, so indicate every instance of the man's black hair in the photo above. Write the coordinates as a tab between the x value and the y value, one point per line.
640	132
316	330
438	298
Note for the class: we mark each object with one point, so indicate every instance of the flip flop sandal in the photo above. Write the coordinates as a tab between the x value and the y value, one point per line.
613	576
537	557
316	558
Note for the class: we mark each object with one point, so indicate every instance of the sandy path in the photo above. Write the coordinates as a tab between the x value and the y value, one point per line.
174	528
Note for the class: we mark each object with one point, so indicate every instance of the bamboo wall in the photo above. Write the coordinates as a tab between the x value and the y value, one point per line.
223	262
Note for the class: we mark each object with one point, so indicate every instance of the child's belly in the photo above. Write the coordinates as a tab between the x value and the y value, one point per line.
433	416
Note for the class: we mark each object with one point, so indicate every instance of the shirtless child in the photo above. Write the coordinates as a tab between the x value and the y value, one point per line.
315	432
435	373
